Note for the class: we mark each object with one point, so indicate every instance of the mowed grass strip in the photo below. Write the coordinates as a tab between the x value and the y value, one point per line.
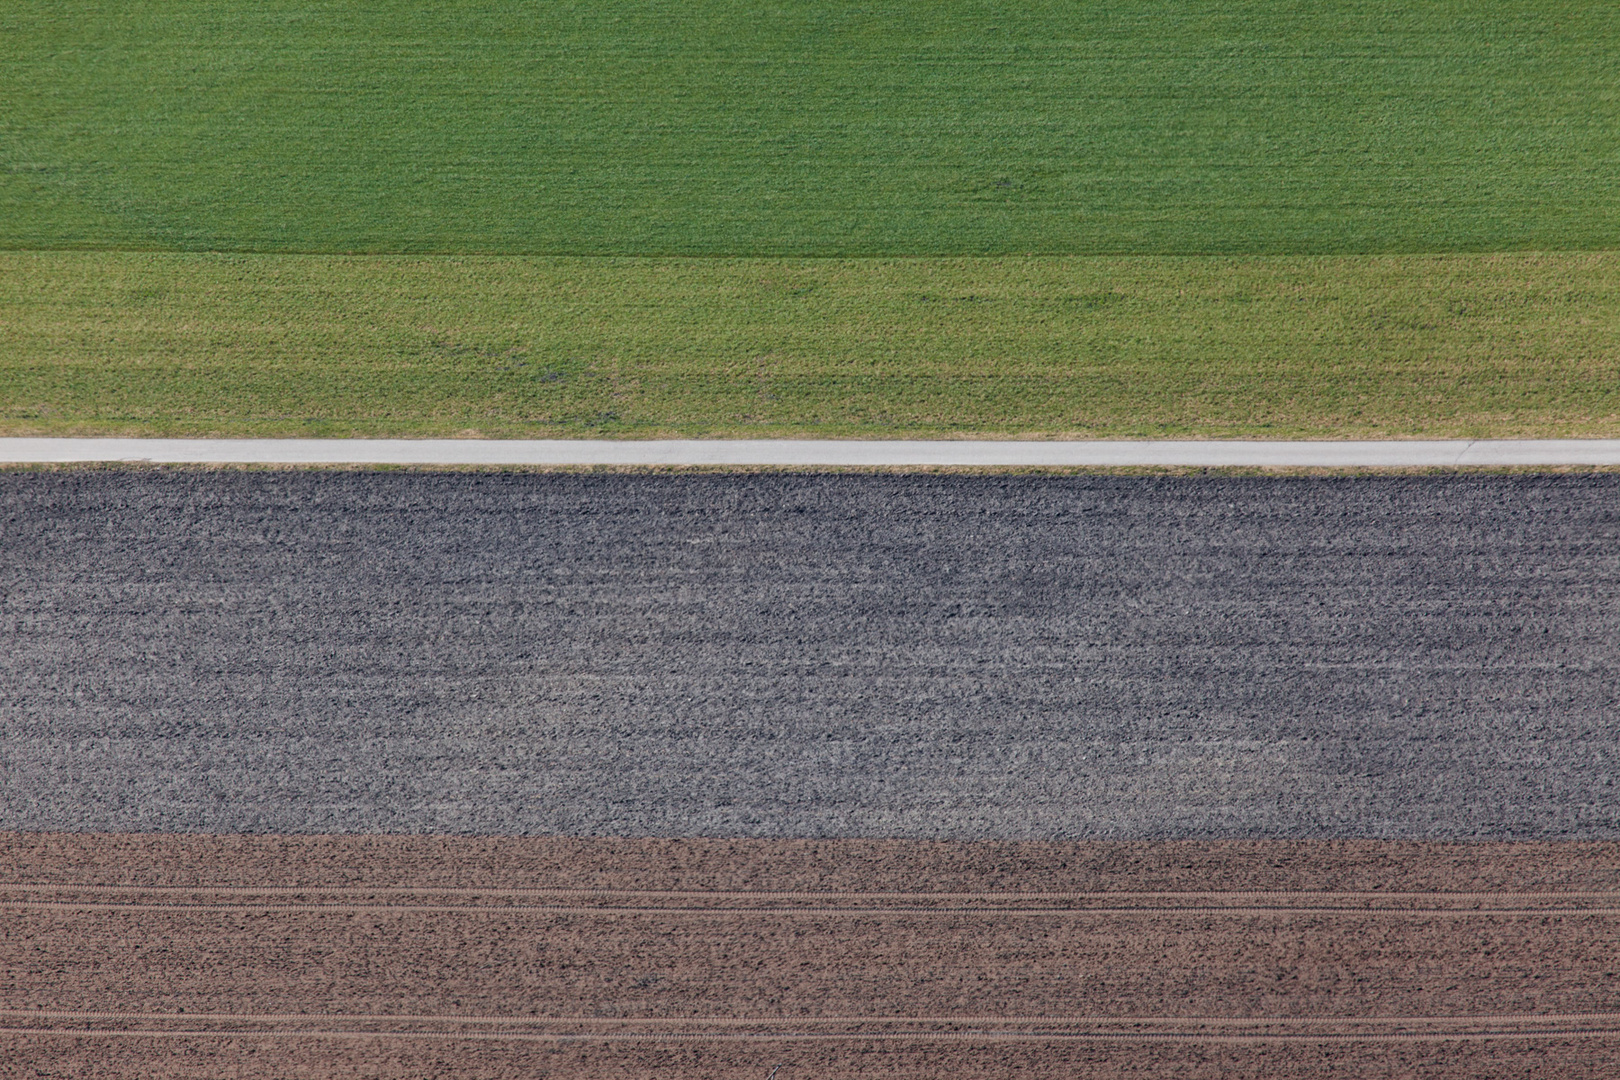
1523	345
886	127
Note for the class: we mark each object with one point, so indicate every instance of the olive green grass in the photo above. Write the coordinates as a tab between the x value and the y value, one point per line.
1445	346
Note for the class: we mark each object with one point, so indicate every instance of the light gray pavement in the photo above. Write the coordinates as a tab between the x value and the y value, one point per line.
811	655
825	452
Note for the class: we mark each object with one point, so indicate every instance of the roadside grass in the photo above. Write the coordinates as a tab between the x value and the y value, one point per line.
1478	346
888	127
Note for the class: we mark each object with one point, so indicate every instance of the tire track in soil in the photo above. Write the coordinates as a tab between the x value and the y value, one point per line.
506	957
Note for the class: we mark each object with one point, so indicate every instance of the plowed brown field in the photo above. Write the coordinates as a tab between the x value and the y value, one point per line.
199	956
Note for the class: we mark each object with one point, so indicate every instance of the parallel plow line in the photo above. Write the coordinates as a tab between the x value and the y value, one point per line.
565	909
766	902
34	1023
1608	895
1528	1034
1147	1029
1481	1020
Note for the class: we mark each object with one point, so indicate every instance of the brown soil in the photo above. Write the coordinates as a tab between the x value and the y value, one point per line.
194	956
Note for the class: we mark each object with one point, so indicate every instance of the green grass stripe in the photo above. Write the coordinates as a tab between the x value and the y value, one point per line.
880	127
1524	345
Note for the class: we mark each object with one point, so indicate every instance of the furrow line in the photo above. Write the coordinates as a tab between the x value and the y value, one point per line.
1541	1034
628	910
1484	1019
1246	895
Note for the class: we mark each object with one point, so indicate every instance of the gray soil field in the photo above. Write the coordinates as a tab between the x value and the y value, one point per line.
783	655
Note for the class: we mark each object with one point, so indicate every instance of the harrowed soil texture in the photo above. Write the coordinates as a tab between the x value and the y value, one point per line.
661	940
950	656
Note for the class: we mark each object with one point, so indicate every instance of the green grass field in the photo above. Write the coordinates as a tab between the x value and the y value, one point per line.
1379	346
1252	217
881	127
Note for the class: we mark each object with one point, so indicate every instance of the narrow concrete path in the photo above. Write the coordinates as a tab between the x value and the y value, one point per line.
821	452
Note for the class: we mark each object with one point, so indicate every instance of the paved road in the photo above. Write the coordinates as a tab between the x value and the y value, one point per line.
781	655
857	453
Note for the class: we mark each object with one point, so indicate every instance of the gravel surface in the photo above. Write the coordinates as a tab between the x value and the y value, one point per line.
798	655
